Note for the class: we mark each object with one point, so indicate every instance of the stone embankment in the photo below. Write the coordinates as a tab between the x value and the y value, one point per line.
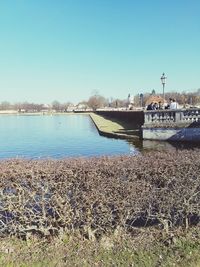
113	127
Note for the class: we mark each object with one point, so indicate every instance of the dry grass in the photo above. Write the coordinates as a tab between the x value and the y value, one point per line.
147	247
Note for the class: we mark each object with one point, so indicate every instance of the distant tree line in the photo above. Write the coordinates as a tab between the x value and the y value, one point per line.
183	98
34	107
94	102
98	101
5	105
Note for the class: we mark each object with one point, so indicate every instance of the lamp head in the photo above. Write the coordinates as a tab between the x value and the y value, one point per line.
163	78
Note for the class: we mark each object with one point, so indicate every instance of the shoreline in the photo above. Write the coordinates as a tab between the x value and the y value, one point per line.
43	113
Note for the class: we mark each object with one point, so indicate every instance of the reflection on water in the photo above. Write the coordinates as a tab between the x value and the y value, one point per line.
149	145
155	145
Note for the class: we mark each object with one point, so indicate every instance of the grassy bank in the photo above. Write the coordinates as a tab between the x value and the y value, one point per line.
149	248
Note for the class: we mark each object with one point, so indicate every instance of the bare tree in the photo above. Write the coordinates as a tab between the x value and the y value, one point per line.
5	105
56	105
65	106
97	101
117	103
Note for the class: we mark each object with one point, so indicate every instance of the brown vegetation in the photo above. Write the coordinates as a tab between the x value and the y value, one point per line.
183	98
99	195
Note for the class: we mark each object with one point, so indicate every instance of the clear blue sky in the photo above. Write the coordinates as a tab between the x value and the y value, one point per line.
66	49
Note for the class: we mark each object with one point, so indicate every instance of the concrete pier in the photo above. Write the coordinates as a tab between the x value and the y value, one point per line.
172	125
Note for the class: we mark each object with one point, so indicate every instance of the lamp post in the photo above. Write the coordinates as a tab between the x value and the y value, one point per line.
141	100
163	81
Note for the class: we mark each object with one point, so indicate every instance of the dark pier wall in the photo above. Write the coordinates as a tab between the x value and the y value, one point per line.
136	118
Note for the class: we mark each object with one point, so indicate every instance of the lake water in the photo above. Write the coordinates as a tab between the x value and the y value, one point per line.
56	136
61	136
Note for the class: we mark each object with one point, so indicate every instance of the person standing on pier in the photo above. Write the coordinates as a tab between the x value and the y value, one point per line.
174	104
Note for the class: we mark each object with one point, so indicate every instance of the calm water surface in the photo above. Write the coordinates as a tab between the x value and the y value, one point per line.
56	136
61	136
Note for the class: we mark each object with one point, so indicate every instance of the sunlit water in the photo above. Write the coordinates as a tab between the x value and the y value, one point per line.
61	136
57	136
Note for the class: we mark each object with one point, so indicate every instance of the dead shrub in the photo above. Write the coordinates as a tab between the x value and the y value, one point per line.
98	195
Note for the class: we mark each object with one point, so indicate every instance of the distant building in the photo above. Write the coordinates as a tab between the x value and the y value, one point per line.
82	106
71	108
46	108
130	101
